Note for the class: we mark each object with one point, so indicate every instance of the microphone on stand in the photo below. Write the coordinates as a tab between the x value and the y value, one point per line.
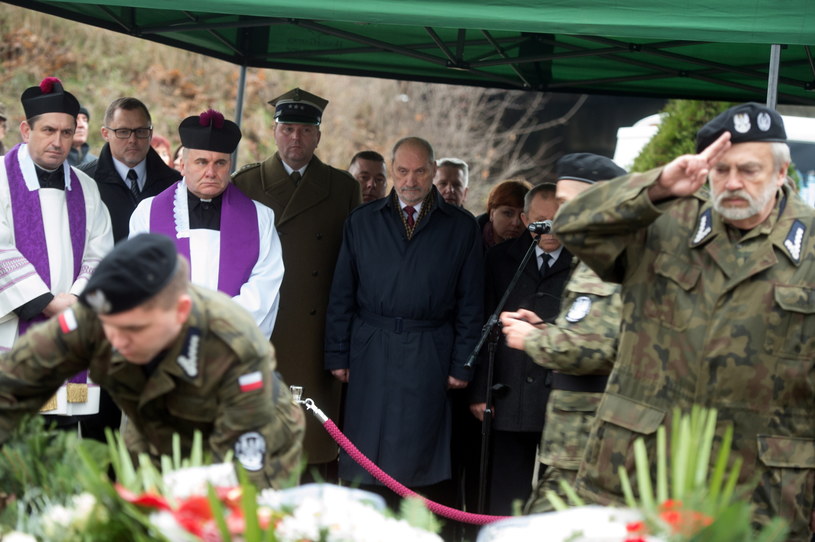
544	226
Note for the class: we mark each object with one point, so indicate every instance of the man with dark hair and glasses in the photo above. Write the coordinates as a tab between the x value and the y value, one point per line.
128	169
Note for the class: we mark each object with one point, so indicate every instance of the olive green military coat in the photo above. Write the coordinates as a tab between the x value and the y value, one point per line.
217	377
711	316
309	220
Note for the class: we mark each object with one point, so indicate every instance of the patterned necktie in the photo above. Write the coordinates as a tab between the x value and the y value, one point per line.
134	183
409	212
295	177
544	267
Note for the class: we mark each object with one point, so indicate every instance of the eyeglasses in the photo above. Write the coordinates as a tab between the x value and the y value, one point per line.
125	133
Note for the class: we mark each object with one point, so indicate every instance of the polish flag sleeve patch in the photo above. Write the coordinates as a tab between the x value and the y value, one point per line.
67	321
251	381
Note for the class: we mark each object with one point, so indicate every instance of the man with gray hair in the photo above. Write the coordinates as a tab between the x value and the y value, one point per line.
717	309
404	314
451	180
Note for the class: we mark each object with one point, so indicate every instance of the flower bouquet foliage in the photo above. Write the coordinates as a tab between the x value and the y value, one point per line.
692	500
59	490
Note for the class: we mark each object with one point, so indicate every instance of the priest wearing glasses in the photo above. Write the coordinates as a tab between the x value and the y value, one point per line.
230	240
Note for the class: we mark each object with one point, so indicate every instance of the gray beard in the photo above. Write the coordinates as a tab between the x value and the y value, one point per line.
755	205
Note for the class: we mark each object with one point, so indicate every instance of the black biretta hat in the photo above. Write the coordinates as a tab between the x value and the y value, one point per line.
209	131
587	167
48	97
132	273
745	122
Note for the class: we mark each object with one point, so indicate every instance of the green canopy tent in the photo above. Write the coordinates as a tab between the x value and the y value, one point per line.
659	48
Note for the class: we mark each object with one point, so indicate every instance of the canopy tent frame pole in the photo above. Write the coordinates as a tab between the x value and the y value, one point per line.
772	77
239	108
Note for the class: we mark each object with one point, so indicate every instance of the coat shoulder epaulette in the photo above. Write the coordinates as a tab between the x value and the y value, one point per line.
246	168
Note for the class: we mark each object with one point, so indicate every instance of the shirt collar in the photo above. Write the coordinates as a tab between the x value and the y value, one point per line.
290	169
122	169
555	254
417	207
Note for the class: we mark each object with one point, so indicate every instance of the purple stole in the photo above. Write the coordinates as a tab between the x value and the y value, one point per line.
29	232
240	238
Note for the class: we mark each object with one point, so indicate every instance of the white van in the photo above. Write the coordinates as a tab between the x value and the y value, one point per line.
800	137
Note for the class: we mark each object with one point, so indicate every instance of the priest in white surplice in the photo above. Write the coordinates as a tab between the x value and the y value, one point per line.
54	228
229	239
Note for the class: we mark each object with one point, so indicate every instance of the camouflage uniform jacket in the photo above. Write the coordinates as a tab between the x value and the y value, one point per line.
217	377
710	317
582	341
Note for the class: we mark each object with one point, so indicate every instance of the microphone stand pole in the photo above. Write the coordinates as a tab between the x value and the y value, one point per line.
491	331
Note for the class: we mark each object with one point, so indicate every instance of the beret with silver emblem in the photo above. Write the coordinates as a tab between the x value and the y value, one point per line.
745	122
132	273
587	167
298	107
48	97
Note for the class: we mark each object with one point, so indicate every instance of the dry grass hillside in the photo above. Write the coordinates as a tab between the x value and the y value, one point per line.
99	66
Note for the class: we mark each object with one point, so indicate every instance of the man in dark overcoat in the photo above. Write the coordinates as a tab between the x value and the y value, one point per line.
127	171
310	200
520	406
405	313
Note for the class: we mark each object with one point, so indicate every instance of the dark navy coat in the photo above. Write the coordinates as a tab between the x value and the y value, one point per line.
403	316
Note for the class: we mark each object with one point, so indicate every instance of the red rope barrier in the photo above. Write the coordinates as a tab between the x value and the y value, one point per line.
398	488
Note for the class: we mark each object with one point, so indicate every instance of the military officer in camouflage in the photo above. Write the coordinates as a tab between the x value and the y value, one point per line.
175	357
580	346
718	309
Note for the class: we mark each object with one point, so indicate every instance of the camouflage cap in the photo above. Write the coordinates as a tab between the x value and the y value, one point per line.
132	273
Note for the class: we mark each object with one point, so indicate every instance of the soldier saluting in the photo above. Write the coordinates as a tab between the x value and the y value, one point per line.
717	296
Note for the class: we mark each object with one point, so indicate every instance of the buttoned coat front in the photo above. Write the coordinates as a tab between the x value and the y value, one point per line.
309	218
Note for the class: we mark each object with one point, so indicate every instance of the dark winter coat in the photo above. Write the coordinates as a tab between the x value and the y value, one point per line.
403	316
116	194
521	405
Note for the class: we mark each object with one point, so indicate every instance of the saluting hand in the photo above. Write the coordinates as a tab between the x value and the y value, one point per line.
687	173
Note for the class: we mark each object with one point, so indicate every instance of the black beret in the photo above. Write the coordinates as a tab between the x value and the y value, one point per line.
298	107
587	167
49	97
84	111
132	273
209	131
745	122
